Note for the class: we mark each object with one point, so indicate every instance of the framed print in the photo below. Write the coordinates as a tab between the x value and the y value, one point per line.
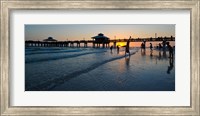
100	57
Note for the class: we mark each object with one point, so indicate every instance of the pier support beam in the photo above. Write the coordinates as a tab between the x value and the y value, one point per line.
85	44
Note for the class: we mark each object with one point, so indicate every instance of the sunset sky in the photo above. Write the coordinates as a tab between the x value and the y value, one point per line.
86	31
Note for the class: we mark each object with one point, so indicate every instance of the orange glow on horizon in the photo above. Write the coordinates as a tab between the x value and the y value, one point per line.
121	44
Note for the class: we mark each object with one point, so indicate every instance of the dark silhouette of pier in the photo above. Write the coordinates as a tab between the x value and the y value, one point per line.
96	44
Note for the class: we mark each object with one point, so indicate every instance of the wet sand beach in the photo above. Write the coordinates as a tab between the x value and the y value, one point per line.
142	71
91	69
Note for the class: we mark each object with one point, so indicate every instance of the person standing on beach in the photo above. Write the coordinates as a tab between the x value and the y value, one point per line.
117	49
151	46
170	50
127	47
111	49
164	44
144	44
160	46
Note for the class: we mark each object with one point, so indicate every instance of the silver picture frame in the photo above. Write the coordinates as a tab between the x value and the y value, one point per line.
8	5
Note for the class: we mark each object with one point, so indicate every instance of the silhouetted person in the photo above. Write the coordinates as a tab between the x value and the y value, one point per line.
144	44
164	44
171	65
170	50
151	46
118	49
159	46
111	48
127	47
174	49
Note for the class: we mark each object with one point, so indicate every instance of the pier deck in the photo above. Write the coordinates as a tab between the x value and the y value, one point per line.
84	43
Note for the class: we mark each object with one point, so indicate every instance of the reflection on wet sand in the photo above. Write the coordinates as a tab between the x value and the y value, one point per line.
127	59
159	55
171	65
143	52
151	53
164	54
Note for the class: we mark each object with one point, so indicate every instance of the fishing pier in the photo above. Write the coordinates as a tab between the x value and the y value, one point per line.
97	41
84	43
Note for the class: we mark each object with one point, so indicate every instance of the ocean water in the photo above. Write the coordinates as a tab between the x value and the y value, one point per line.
98	69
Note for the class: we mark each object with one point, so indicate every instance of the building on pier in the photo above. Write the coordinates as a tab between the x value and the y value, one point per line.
50	39
101	39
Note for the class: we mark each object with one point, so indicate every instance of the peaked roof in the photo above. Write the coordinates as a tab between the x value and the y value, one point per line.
100	35
50	39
